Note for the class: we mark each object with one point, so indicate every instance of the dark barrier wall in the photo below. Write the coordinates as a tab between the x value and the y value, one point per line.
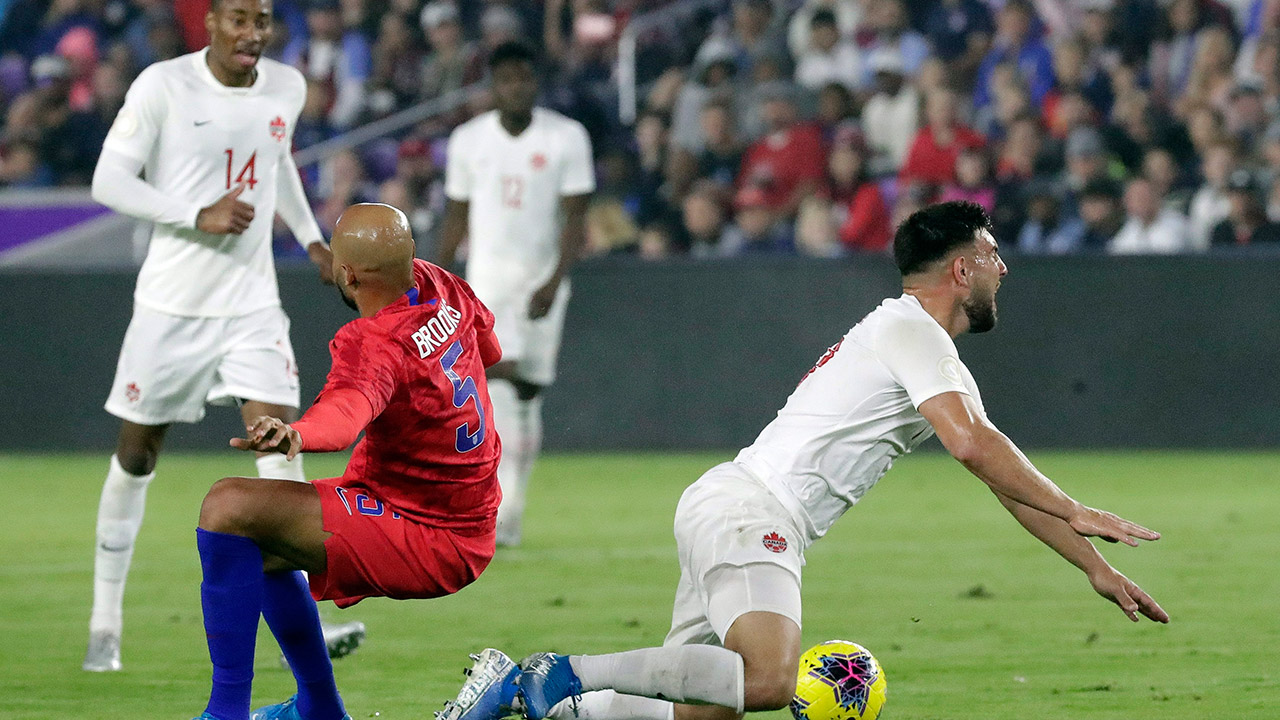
1089	352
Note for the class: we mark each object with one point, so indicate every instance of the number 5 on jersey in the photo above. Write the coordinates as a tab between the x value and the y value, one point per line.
246	174
464	391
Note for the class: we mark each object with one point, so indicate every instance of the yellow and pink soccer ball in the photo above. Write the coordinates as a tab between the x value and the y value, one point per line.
839	680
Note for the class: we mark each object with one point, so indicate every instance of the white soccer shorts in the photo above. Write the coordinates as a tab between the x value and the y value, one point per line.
534	345
739	551
170	365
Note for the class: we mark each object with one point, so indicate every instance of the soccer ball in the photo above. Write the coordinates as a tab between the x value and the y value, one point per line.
839	680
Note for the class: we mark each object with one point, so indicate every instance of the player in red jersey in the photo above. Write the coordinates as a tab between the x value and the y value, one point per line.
413	515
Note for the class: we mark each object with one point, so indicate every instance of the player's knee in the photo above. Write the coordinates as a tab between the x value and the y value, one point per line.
138	447
137	463
227	507
137	458
769	687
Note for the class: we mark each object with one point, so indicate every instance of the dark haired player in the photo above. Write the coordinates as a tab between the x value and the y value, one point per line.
742	528
212	133
511	175
413	515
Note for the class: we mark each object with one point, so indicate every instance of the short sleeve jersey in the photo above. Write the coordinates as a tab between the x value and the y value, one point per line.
856	412
431	451
198	139
514	185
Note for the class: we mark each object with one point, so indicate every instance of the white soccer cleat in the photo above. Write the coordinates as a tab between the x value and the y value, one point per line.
342	639
103	654
490	692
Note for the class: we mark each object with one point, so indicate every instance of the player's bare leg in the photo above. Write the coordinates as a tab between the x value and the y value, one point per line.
255	535
120	511
517	409
341	639
770	648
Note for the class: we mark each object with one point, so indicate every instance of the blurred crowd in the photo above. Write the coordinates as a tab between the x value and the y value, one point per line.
764	126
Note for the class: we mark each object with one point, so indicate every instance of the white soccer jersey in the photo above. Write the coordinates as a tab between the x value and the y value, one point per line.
514	186
197	139
856	412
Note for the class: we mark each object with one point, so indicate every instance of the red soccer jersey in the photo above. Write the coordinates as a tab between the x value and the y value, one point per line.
431	452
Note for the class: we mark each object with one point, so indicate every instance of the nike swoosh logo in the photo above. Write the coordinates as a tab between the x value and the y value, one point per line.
199	123
108	548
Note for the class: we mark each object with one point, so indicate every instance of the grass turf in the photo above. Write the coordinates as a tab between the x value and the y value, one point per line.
970	617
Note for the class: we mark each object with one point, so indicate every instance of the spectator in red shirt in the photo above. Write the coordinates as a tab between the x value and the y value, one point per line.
788	163
860	212
932	158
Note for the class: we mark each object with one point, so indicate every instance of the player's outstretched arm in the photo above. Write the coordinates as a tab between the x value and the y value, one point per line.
331	424
1077	550
970	438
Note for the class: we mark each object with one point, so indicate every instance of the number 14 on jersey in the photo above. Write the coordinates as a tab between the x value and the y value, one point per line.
247	171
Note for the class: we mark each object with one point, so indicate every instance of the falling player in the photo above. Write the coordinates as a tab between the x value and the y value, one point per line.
742	528
212	131
510	175
413	515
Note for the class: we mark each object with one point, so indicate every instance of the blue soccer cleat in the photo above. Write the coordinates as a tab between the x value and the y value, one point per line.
547	680
205	716
287	710
490	692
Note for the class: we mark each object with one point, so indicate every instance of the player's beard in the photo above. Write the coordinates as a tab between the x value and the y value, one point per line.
346	300
981	312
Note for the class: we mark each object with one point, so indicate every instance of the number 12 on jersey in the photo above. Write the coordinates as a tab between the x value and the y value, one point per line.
247	172
464	391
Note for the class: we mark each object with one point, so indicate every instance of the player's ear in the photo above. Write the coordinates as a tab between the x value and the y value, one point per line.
960	270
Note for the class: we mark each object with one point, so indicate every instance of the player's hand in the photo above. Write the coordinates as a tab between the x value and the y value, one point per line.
1122	591
229	214
268	434
1091	522
540	303
322	256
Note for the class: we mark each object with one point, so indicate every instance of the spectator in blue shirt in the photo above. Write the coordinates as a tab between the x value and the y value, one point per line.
960	31
1015	43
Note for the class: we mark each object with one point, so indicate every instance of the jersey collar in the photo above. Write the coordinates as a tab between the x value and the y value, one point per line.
202	69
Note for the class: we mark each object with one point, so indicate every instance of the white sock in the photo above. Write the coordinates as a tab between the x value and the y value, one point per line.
610	705
530	441
124	498
276	467
508	420
680	673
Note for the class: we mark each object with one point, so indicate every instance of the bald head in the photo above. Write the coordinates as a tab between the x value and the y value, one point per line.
372	254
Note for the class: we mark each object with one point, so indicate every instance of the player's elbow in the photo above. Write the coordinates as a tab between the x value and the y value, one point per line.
98	189
968	445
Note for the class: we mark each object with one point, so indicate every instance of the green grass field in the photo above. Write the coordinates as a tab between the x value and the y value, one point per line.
970	617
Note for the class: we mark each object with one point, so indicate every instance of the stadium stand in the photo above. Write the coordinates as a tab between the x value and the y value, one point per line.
739	127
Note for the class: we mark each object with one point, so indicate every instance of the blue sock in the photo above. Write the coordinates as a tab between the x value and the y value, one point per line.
232	598
294	620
